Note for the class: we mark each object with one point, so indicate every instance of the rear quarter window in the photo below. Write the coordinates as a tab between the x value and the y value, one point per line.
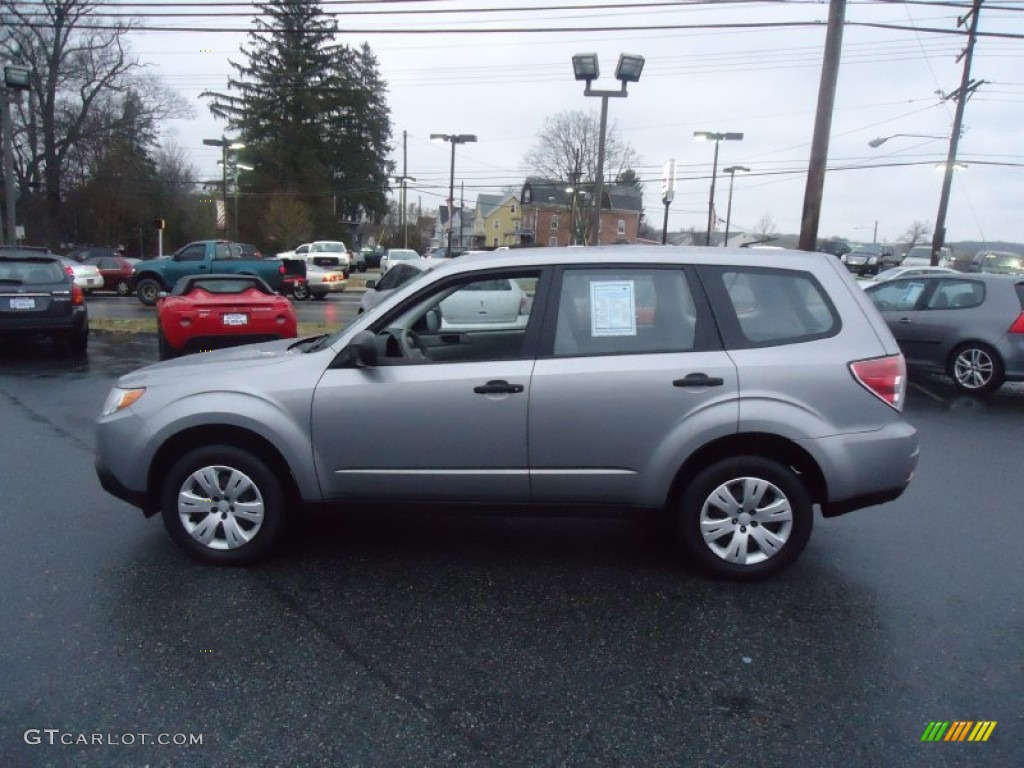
763	307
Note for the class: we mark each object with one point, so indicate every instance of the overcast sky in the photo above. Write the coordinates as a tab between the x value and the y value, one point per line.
699	76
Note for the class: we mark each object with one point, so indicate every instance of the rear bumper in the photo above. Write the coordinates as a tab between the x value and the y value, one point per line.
863	469
75	323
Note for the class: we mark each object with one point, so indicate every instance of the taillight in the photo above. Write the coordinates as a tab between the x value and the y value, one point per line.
884	377
77	296
69	271
281	269
1018	324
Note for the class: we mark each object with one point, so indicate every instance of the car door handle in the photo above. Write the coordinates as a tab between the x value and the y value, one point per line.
498	387
905	320
698	380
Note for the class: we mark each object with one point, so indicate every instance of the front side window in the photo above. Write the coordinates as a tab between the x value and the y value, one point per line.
773	306
192	253
463	320
624	311
897	295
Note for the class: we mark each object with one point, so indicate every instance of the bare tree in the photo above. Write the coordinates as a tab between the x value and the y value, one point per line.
765	228
566	148
915	232
79	75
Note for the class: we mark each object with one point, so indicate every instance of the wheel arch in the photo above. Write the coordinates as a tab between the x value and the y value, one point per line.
760	444
216	434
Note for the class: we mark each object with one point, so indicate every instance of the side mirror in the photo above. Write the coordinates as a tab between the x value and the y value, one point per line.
371	285
364	349
433	319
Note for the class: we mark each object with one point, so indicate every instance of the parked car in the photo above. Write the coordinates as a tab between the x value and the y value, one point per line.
997	263
371	256
968	327
85	253
320	282
869	259
357	261
905	271
117	273
213	311
921	256
86	276
396	277
39	298
734	426
393	256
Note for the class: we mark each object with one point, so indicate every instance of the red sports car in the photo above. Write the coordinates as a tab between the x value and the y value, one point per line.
205	312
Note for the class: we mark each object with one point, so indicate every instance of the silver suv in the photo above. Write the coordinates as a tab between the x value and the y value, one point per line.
730	391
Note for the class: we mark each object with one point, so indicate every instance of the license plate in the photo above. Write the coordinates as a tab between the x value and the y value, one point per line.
236	319
20	302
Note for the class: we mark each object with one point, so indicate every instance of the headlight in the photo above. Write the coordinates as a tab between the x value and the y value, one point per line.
872	260
119	399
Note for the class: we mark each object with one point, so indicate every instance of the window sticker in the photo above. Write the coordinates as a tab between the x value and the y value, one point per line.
613	308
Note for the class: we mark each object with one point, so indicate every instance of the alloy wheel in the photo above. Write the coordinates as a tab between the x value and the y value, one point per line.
220	507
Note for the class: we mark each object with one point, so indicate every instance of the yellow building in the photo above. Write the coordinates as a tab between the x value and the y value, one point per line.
497	221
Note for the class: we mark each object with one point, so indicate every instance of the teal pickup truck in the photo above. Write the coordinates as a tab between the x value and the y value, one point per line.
209	257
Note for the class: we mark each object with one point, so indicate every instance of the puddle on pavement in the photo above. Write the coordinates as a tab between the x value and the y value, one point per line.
109	353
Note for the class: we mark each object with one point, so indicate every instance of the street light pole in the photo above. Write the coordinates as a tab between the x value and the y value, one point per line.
453	138
732	171
225	144
15	79
628	70
715	137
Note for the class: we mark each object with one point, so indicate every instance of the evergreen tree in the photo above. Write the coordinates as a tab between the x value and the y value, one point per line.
313	116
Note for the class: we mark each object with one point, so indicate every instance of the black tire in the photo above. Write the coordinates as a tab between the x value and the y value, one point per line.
362	267
300	292
164	349
147	289
78	343
744	529
123	288
976	369
241	541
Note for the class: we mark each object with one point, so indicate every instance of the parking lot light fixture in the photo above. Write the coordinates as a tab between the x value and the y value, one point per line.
716	137
453	139
877	142
585	67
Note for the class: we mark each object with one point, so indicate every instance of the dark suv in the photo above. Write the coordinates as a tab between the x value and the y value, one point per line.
870	259
38	297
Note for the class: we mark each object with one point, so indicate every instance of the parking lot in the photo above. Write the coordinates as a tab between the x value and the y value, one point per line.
413	639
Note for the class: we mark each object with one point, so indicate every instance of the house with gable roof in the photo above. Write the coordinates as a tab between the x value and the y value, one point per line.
554	214
496	221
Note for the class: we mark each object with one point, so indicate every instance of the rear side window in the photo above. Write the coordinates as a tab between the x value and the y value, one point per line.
625	311
957	294
769	307
897	295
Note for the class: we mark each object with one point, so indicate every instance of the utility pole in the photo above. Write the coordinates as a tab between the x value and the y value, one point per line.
822	126
967	87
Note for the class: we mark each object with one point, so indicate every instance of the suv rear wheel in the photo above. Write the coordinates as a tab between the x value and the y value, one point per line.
745	518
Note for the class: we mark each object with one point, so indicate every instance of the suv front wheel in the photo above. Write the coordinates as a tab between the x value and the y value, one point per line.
223	505
745	518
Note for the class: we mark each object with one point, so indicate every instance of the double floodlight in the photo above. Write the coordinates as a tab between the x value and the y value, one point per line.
713	136
454	138
628	70
17	78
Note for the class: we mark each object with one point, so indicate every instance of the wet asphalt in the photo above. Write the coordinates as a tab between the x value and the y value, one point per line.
416	639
